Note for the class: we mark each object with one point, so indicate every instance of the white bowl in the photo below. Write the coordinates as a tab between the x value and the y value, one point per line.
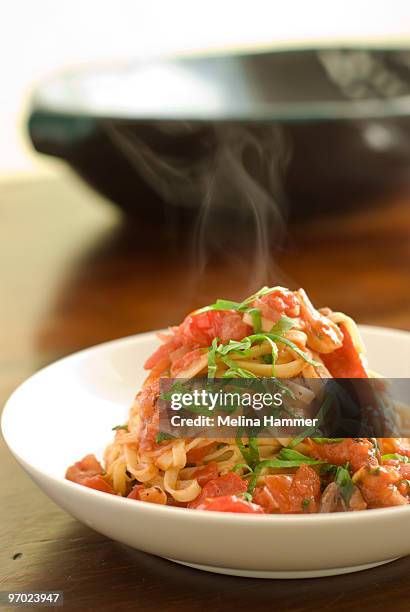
68	409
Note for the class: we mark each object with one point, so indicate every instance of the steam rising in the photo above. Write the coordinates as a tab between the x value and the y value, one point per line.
230	176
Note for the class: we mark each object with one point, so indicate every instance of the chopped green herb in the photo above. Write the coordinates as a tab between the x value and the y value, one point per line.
262	337
254	449
396	456
245	306
118	427
327	440
242	466
295	348
250	454
256	319
162	435
345	483
235	346
328	468
283	325
314	429
288	454
247	496
219	305
212	359
236	372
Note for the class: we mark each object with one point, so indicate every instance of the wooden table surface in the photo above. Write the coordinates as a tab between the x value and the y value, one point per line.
73	275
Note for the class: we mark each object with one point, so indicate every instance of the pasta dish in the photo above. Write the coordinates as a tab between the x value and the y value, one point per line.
275	333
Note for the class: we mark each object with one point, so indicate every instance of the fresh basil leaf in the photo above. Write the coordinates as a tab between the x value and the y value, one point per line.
315	428
118	427
244	306
345	483
264	291
328	468
254	450
288	454
283	325
235	346
295	348
219	305
250	454
247	496
242	466
256	319
162	435
327	440
274	349
236	372
396	456
212	367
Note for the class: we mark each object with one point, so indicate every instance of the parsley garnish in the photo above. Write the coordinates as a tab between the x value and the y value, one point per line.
315	428
162	435
396	456
344	481
250	454
327	440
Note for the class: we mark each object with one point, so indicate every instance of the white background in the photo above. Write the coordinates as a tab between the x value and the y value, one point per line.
38	37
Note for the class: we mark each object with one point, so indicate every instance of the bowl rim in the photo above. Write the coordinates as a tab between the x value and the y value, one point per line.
195	515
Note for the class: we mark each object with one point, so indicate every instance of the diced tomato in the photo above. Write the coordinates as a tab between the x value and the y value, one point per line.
229	484
379	487
277	303
399	446
99	483
295	494
279	487
345	362
198	330
356	451
183	362
205	473
404	483
404	469
230	503
135	492
86	468
195	455
161	355
146	401
263	497
305	490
